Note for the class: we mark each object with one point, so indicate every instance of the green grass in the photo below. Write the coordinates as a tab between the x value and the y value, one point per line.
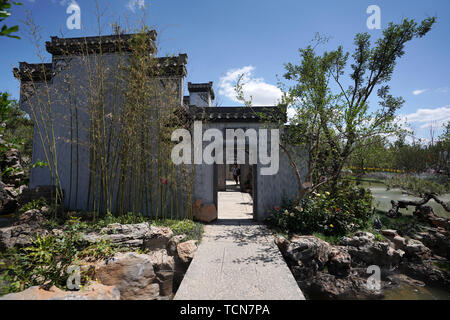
406	225
192	230
329	239
445	266
83	222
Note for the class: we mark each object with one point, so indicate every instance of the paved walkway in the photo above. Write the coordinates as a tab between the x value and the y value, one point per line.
237	259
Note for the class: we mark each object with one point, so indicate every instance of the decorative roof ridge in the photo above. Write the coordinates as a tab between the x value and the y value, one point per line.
95	44
34	71
202	87
238	113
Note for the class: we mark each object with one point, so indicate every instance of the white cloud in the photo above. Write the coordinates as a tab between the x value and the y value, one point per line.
426	117
135	4
443	90
262	93
62	2
417	92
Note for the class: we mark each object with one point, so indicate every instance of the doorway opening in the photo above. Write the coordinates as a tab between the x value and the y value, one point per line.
235	199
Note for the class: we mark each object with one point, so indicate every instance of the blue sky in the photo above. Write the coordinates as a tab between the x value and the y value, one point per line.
255	37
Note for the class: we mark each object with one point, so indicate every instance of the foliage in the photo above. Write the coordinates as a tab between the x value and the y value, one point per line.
417	186
128	218
192	230
5	6
330	239
34	204
45	261
416	156
125	120
16	132
102	249
329	214
406	226
332	124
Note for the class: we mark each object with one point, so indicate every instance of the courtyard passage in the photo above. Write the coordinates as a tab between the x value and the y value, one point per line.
238	259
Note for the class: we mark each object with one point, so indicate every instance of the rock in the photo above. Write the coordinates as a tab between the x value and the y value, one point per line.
173	243
132	274
94	291
364	250
389	233
31	217
398	279
204	212
12	191
282	244
339	262
428	273
415	250
399	242
327	286
186	251
12	159
131	235
128	235
308	254
426	214
165	280
359	240
8	204
19	236
157	238
162	261
438	240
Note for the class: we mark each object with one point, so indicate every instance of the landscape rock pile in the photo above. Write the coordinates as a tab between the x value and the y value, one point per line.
327	271
154	273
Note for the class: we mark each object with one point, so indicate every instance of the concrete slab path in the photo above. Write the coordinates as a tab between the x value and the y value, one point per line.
238	259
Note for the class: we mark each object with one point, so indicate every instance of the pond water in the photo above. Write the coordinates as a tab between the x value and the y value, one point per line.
382	201
383	197
411	292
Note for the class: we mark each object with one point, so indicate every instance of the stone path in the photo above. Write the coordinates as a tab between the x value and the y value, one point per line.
237	259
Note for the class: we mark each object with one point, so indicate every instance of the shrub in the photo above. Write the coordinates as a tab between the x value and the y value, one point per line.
44	262
34	204
346	211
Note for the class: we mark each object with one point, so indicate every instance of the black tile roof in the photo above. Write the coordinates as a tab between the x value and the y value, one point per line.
104	44
202	87
34	72
164	67
238	114
171	66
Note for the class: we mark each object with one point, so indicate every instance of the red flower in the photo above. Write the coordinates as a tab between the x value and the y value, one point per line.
277	208
164	181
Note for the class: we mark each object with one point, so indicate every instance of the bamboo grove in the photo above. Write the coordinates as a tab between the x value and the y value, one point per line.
120	110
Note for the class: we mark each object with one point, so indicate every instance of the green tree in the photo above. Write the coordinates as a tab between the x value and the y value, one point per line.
333	121
17	128
5	12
